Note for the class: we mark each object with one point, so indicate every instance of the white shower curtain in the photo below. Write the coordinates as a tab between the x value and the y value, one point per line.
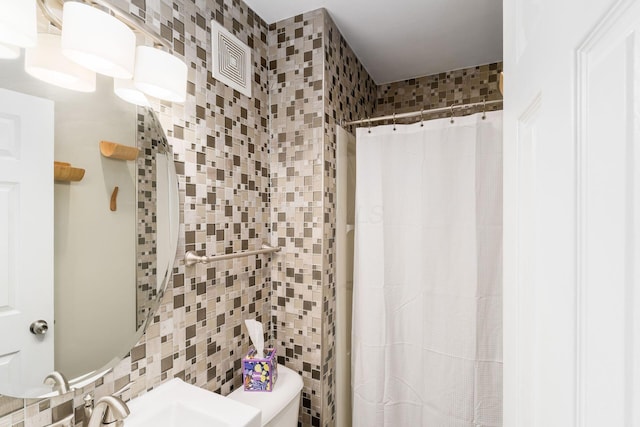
427	303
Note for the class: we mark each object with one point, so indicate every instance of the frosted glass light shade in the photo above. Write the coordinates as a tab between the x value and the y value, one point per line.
160	74
8	51
97	41
47	63
126	91
18	22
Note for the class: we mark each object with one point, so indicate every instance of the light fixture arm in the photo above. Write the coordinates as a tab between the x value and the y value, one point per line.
49	14
133	22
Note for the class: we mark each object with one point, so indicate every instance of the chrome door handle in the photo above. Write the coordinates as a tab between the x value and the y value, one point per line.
39	327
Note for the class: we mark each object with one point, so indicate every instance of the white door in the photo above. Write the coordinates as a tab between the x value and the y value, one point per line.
26	240
572	213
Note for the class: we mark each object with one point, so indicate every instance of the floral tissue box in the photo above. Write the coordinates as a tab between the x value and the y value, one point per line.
260	374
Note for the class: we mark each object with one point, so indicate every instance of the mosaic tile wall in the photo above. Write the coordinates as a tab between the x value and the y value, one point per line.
315	81
296	76
221	146
468	85
349	93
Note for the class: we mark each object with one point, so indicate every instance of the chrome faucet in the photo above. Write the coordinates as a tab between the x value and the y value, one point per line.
106	419
58	381
115	411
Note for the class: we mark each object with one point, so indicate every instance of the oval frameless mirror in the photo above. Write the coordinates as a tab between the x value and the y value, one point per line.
102	247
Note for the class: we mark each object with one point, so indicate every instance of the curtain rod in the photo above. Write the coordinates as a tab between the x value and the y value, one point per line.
423	112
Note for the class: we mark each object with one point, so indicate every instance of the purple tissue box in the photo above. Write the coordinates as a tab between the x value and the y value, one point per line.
259	373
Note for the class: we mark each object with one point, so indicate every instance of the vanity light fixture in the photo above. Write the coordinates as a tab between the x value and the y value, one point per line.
47	63
160	74
18	22
8	51
98	41
92	41
126	90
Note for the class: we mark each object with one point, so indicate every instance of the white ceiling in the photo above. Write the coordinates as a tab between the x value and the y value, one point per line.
401	39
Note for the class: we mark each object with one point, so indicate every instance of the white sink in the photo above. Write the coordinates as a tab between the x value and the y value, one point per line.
178	404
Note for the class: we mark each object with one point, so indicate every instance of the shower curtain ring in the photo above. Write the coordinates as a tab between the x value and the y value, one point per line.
394	121
452	113
484	108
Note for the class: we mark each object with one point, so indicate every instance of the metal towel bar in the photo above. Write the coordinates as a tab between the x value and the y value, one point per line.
192	258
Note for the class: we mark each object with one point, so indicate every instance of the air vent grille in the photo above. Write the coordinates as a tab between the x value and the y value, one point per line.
231	60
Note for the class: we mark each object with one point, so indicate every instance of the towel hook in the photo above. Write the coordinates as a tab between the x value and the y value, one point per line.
484	108
394	121
369	118
422	117
452	113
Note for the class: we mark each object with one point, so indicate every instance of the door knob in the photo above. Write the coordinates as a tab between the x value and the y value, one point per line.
39	327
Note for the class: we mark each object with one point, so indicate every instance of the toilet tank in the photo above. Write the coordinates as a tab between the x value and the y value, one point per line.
279	407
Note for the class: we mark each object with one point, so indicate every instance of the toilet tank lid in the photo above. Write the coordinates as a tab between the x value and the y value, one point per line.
288	387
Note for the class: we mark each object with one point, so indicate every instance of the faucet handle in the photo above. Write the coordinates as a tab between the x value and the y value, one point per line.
88	408
88	400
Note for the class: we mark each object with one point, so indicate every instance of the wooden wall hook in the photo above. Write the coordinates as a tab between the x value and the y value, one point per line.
114	150
114	196
63	171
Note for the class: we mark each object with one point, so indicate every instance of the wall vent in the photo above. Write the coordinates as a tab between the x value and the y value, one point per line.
231	59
